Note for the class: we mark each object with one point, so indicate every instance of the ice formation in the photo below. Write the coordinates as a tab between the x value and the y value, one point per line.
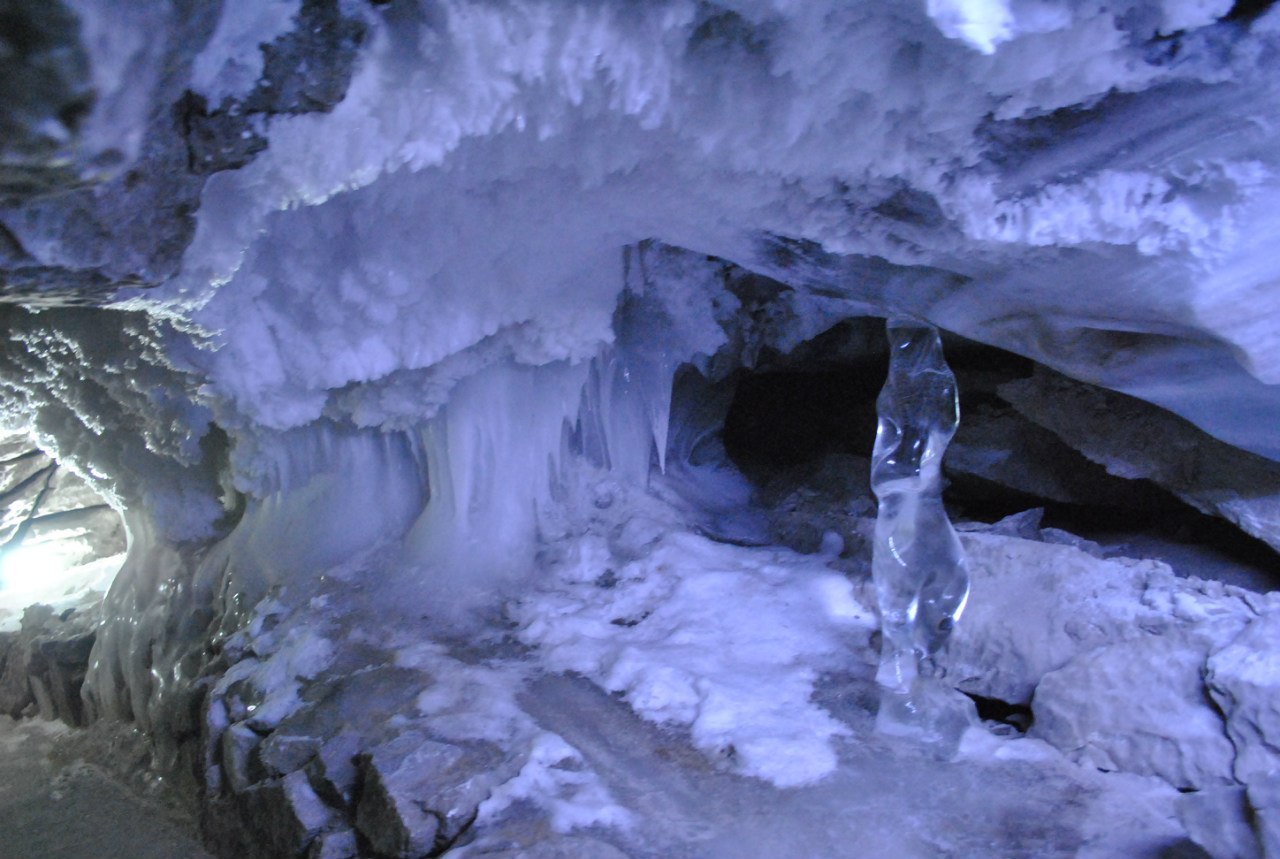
917	563
418	323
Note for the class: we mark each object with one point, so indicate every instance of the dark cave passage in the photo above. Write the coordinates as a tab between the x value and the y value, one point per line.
818	400
799	415
787	418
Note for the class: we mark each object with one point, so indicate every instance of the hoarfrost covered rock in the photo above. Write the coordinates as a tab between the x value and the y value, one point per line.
1244	680
231	63
1138	706
74	84
1034	606
1112	655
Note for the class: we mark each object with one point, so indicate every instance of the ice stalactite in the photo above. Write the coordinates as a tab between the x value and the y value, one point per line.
495	454
918	565
314	497
614	424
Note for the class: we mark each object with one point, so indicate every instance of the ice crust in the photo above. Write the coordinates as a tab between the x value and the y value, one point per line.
546	142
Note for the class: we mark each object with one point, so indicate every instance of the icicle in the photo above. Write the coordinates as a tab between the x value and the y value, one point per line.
646	380
918	565
655	378
624	428
626	411
493	456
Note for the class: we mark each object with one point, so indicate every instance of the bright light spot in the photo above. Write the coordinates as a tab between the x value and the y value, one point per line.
31	567
50	572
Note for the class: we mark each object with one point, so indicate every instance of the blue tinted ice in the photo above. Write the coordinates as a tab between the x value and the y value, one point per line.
918	566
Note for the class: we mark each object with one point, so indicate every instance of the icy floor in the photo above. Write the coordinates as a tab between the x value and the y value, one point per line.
677	697
647	789
59	809
698	701
669	694
1010	798
883	799
740	721
723	640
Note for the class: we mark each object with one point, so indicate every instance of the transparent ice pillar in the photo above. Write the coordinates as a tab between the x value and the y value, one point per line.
917	564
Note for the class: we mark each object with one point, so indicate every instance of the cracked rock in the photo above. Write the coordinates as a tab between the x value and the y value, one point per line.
1136	440
1244	680
1035	606
1138	706
419	795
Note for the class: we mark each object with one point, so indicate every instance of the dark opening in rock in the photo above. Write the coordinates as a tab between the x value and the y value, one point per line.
994	710
805	423
818	400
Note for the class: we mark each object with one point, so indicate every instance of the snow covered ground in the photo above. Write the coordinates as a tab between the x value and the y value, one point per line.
664	694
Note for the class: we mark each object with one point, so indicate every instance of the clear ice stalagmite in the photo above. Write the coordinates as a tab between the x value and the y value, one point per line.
918	565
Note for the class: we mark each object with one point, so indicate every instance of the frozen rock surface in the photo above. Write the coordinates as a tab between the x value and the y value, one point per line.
1132	439
1117	659
1220	821
43	665
484	747
419	795
571	847
1264	799
1035	606
1138	706
1000	446
1244	679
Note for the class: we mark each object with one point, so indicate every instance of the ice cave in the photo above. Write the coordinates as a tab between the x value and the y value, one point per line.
640	429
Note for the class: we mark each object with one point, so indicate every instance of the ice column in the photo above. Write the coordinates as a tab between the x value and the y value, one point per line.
918	565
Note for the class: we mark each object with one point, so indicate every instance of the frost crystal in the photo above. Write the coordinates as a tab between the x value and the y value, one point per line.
918	565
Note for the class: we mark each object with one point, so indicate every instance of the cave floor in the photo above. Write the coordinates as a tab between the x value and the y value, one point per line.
1000	796
50	809
1007	797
